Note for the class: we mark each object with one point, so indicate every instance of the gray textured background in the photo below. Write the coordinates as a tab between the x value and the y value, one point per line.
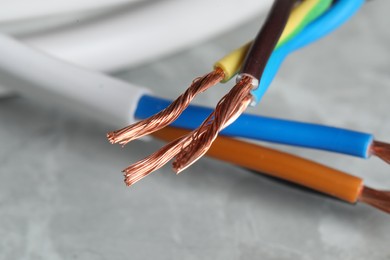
62	195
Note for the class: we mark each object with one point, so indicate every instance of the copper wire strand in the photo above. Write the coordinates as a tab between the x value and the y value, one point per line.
142	168
158	159
197	147
231	106
382	150
169	114
376	198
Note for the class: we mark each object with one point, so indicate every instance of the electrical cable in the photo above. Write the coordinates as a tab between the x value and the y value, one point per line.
313	136
292	168
260	128
305	12
96	95
202	139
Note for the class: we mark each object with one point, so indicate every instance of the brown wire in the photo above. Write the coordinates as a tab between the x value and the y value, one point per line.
169	114
267	38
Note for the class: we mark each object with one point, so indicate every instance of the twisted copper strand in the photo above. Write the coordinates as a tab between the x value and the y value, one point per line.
382	150
142	168
169	114
228	109
376	198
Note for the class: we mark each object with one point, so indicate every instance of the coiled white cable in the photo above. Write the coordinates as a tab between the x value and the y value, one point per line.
18	10
140	34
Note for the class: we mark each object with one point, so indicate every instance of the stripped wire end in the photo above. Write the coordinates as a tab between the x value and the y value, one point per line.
155	161
228	109
169	114
382	150
376	198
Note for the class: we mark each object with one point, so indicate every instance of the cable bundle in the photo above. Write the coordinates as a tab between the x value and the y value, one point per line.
290	25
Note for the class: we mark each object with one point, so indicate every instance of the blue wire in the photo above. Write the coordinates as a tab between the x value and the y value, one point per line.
338	14
269	129
277	130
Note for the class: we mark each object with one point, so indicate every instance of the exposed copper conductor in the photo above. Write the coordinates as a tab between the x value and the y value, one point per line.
382	150
140	169
376	198
169	114
231	106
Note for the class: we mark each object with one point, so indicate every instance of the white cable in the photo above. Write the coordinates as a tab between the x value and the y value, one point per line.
149	31
17	10
46	79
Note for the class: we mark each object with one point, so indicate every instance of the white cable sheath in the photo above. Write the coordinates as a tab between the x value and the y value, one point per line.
150	30
39	76
17	10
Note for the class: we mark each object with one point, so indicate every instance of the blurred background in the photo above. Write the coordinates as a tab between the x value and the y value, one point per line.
62	194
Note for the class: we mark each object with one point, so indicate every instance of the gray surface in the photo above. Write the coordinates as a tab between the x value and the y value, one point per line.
62	195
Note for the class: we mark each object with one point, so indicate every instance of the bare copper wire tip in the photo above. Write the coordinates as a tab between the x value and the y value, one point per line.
228	109
169	114
144	167
376	198
382	150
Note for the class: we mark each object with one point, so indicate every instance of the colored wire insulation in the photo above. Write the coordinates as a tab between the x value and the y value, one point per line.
269	129
339	13
291	168
302	14
267	39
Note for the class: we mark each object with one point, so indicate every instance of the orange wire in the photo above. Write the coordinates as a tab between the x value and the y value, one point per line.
279	164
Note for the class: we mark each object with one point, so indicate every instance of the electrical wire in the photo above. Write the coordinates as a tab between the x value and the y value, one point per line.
142	168
341	11
217	121
169	114
291	168
269	129
267	39
117	111
251	72
313	136
302	13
